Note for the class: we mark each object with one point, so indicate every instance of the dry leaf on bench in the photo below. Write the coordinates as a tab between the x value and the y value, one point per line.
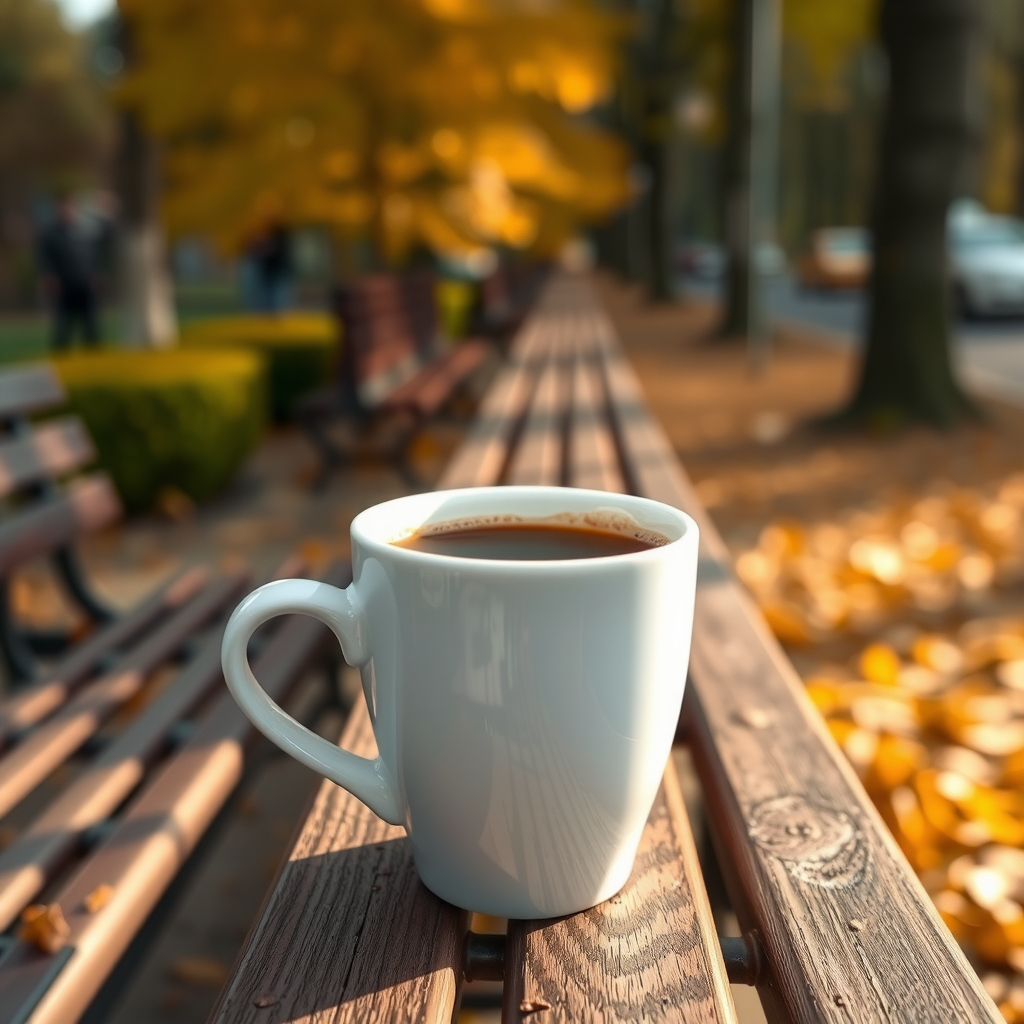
98	898
43	926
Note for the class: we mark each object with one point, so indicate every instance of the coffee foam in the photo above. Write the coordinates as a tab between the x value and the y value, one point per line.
605	519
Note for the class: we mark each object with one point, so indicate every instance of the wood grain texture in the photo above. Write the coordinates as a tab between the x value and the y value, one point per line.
349	932
593	458
538	456
150	842
482	456
648	459
49	451
646	954
807	851
650	953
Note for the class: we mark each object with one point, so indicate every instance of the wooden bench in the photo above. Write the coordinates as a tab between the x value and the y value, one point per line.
836	925
41	517
134	713
395	365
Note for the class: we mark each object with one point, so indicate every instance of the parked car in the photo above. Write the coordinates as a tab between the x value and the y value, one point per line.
706	260
836	258
986	259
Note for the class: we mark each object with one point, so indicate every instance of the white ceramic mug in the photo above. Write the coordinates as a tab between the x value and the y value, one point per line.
523	710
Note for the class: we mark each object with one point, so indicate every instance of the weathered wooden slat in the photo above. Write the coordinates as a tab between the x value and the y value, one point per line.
593	457
29	862
87	504
49	451
648	953
481	456
848	930
386	950
849	933
647	454
430	389
27	389
539	453
24	767
35	703
150	843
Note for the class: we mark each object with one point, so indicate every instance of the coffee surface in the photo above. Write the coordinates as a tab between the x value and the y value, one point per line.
528	542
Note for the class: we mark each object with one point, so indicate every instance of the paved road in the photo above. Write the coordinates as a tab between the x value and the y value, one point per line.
990	352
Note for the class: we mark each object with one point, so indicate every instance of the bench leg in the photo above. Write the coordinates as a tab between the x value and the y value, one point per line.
18	657
329	454
401	456
71	574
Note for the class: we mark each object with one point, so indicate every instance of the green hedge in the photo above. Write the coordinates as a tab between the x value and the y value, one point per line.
170	418
300	348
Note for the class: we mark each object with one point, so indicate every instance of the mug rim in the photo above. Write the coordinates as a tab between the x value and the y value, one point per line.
359	533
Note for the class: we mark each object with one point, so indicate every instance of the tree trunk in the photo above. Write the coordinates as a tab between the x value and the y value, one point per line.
741	302
1018	67
659	229
751	178
659	87
147	296
927	141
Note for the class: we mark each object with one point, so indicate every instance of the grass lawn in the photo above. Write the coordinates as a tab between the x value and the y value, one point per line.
25	336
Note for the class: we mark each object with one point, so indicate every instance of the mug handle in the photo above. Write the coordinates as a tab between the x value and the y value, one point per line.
341	611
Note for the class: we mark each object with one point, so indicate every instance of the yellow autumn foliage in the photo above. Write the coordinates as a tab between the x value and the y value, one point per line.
827	33
819	39
444	122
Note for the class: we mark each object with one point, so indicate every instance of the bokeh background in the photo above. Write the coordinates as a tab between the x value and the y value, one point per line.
805	217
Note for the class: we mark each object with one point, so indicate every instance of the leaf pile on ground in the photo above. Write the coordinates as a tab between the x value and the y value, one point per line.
905	620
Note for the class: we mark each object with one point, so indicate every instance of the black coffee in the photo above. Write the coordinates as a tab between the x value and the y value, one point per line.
529	542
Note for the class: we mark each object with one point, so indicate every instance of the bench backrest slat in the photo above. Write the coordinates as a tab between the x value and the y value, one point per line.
29	389
390	327
88	503
49	451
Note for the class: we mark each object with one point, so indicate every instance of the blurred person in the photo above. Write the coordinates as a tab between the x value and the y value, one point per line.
69	277
272	257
